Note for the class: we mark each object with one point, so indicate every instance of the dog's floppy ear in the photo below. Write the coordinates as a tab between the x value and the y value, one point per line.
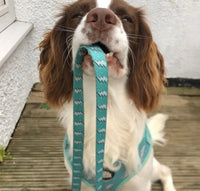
55	64
146	76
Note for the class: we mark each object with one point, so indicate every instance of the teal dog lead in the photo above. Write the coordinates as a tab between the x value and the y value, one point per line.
120	177
101	72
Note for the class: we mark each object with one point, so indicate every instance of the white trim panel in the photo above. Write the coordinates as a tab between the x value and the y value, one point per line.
7	14
11	37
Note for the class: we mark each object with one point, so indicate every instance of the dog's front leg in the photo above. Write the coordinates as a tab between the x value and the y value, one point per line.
163	173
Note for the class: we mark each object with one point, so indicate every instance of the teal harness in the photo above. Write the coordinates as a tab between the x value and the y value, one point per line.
120	177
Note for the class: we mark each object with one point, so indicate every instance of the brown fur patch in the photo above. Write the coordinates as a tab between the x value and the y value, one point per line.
55	65
146	64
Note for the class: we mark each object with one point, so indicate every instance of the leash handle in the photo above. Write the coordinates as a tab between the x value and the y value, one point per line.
101	72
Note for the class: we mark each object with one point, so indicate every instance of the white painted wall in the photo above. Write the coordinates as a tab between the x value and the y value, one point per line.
176	29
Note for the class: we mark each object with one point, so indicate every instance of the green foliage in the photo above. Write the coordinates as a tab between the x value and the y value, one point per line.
45	106
4	154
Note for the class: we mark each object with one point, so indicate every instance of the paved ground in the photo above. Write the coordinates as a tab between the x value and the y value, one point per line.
36	147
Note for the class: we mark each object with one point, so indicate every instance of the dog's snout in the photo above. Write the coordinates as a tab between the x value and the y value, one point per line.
101	19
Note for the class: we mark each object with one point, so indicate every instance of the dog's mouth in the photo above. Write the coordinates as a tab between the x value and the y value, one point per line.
111	57
103	47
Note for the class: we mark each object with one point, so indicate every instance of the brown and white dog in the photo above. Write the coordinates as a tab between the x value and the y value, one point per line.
136	76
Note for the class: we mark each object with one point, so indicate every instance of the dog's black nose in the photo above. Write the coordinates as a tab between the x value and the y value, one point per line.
101	19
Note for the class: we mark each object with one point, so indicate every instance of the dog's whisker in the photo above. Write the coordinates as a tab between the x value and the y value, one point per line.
67	43
136	38
63	30
69	39
68	50
132	55
63	57
68	54
65	27
133	41
60	28
138	35
69	47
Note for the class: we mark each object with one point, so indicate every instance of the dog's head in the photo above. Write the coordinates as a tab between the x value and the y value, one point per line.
124	36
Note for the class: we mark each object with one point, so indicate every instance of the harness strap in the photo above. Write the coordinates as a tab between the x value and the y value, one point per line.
120	176
101	72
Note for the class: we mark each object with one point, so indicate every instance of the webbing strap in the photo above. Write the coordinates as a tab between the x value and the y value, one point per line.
101	72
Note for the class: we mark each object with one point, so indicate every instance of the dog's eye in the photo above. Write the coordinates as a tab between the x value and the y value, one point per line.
77	16
127	19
